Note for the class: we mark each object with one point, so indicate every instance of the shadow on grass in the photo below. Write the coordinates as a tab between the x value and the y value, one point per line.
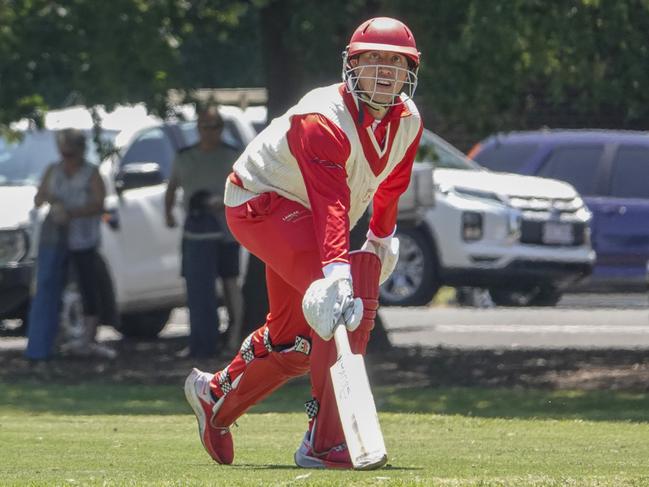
255	466
97	398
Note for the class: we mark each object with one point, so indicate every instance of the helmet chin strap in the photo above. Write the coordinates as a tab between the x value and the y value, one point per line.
373	105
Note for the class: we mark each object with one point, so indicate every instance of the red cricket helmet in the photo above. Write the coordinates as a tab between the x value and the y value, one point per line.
384	34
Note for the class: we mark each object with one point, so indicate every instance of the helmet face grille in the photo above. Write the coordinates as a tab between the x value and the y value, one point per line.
375	88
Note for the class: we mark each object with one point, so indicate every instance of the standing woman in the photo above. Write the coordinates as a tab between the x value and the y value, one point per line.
75	191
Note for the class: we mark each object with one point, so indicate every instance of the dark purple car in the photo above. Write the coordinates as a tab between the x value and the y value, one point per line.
610	169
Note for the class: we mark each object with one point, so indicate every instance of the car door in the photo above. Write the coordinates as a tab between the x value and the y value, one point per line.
623	226
585	167
143	251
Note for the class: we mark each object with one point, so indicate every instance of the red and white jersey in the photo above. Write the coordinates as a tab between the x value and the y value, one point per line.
333	157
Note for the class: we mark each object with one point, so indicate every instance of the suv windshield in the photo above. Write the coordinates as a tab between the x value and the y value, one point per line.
22	162
435	150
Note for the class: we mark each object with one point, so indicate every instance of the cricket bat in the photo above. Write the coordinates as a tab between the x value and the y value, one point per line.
356	406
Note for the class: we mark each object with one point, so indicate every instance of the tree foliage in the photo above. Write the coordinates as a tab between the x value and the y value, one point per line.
516	63
56	53
486	65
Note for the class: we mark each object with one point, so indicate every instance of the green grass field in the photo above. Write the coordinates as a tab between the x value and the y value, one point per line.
107	435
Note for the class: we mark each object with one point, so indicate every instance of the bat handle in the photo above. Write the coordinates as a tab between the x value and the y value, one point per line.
342	342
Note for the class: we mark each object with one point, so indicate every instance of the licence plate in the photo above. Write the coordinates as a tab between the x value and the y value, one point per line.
557	233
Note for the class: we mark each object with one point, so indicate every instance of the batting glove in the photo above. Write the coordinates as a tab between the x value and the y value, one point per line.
330	301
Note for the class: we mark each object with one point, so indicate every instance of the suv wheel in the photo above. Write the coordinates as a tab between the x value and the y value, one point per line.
538	296
414	280
143	325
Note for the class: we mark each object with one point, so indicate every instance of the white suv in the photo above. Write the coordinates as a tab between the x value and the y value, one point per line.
523	238
140	279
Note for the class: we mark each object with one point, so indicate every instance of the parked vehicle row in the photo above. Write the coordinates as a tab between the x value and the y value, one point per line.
524	238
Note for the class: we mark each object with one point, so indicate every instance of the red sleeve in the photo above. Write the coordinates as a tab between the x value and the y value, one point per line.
386	198
322	149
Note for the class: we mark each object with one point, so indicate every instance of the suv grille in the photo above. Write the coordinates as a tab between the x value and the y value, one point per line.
537	212
532	233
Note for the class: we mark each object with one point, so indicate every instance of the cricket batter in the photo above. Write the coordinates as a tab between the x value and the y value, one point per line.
291	200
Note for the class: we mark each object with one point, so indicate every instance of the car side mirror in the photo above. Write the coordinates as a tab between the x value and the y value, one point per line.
138	175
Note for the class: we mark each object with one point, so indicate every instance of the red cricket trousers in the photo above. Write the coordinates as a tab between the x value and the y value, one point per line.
280	233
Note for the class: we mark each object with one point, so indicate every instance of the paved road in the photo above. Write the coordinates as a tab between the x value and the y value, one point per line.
581	321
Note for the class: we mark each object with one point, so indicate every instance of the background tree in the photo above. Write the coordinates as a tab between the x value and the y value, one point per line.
57	53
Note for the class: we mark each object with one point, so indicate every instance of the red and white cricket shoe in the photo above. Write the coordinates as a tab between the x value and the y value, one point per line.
337	457
217	441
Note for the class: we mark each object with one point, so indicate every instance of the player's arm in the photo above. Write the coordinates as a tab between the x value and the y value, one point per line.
384	217
321	150
386	199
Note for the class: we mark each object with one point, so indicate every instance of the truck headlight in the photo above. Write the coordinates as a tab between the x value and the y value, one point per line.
471	225
13	246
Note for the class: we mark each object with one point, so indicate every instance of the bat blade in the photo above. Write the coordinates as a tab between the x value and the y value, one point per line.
357	412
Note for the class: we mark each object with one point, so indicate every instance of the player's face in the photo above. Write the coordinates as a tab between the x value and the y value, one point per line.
382	73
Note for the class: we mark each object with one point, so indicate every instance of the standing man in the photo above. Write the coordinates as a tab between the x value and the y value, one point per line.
293	196
208	248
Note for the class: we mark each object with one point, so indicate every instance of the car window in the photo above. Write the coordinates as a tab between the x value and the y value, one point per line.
506	156
230	135
23	161
630	173
435	150
151	146
575	165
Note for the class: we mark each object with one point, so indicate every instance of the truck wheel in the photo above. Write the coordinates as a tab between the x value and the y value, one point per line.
414	280
143	325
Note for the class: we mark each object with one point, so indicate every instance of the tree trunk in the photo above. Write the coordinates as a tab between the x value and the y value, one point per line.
284	78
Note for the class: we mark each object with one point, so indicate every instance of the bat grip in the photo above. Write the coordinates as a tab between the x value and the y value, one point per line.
342	342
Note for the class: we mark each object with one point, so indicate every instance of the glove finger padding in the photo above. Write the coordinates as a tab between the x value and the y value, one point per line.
328	301
353	313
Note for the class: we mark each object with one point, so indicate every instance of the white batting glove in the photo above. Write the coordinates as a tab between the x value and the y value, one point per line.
387	249
329	301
